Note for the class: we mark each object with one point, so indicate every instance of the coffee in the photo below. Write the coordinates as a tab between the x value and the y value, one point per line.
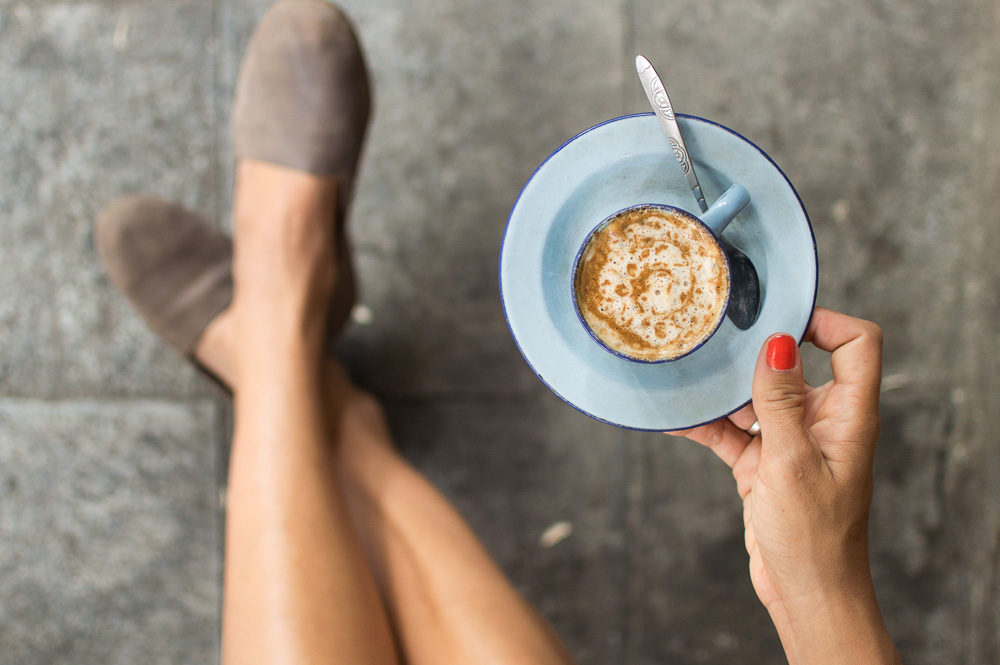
652	283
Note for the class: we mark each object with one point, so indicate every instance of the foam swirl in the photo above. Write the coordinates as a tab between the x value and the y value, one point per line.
652	284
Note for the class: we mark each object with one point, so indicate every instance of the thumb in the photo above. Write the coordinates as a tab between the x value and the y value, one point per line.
779	398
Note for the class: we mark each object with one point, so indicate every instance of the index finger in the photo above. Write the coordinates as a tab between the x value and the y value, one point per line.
722	437
855	346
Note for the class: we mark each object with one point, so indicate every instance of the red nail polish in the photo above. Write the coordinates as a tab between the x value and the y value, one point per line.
781	352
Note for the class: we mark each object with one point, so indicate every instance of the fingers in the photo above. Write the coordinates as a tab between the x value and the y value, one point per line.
856	350
745	417
779	399
723	437
855	346
745	469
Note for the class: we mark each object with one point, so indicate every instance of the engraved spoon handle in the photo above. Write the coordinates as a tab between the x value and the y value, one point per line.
657	96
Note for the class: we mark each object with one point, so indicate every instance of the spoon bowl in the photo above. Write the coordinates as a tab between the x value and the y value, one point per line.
744	294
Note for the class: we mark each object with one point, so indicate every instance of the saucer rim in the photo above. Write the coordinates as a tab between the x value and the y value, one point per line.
503	243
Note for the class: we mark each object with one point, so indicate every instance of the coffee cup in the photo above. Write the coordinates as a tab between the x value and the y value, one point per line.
651	283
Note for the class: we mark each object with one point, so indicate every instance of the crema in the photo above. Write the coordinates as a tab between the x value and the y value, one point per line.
652	283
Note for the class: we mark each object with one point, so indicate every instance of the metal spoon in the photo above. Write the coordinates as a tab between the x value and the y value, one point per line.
744	298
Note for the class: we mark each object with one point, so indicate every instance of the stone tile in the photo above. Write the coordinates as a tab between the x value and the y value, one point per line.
469	99
514	470
98	100
934	525
968	483
690	599
915	548
111	528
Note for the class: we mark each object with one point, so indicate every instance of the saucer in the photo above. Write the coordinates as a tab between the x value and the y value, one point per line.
617	164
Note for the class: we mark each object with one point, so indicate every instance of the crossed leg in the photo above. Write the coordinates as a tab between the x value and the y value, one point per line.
336	547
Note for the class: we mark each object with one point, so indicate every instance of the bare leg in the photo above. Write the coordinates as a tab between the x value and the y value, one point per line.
298	588
447	599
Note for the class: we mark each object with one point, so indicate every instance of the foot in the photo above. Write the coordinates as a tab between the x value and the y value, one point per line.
283	264
303	102
176	268
303	98
171	264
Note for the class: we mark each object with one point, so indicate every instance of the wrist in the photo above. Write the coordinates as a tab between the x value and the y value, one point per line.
833	628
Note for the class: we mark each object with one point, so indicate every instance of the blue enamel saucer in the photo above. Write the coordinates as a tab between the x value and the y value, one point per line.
612	166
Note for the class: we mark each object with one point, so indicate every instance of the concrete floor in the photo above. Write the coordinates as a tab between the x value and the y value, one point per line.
112	450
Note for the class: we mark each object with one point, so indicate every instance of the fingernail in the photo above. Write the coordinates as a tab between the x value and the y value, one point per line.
781	353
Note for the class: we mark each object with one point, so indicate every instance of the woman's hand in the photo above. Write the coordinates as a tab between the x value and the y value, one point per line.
806	484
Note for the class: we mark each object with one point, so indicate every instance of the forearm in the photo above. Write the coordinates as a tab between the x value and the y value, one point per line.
291	548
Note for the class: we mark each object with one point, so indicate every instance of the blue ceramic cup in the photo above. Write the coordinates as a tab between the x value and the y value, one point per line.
714	220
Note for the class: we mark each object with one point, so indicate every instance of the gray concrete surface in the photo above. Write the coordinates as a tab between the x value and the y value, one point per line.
883	114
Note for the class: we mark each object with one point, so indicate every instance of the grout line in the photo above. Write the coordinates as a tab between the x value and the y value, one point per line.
631	452
217	56
224	407
629	47
635	491
456	396
223	427
107	401
620	520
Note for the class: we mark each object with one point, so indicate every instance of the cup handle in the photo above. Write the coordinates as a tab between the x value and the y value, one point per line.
725	208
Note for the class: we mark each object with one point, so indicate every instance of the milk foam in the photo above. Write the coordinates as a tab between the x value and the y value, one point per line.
652	284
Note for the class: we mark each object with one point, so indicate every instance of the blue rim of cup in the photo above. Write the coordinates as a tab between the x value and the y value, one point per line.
576	268
503	306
